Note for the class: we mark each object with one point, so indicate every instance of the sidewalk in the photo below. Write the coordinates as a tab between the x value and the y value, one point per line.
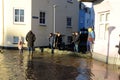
45	66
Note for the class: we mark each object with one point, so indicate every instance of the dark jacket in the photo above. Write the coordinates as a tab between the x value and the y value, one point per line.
30	38
58	39
51	40
76	39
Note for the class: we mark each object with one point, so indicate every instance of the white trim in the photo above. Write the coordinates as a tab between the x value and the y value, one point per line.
14	16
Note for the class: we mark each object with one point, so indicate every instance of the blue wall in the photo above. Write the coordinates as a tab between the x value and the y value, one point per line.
86	16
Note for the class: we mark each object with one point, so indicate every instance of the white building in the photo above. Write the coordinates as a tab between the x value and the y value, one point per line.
107	29
17	17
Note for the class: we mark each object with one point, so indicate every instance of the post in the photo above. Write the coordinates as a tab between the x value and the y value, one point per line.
110	29
54	23
107	58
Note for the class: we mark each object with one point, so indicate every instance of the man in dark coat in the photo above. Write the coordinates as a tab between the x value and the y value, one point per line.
30	38
58	40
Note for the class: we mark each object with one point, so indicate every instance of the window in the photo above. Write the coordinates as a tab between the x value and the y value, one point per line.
69	21
102	17
15	39
18	15
81	6
103	24
107	16
42	18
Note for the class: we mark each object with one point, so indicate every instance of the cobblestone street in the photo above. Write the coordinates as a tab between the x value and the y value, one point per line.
45	66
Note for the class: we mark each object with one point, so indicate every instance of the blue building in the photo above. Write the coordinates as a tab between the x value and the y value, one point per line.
86	15
86	20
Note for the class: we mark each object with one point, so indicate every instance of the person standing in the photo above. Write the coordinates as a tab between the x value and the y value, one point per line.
76	41
72	43
20	45
30	38
51	42
91	38
58	40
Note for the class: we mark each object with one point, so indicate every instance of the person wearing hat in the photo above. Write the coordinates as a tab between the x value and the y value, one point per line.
90	41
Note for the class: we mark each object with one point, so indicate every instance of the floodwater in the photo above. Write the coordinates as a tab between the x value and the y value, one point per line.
45	66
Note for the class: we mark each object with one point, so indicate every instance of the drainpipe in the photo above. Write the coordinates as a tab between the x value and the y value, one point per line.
54	23
79	14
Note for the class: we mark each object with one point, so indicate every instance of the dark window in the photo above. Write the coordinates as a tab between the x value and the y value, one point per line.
19	15
42	18
69	21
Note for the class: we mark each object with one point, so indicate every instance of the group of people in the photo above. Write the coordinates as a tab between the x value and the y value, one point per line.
30	38
55	40
90	40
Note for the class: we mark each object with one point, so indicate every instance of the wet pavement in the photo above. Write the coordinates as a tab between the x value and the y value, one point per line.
45	66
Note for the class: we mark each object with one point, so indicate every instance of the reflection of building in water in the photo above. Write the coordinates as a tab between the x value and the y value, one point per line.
84	70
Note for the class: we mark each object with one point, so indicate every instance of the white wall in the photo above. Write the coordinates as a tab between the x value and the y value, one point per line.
12	29
1	22
32	8
101	46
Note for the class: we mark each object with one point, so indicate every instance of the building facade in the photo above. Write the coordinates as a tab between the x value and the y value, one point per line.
86	15
107	28
40	16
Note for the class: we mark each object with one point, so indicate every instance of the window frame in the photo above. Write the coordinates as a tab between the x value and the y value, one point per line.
42	16
103	24
69	22
19	15
16	39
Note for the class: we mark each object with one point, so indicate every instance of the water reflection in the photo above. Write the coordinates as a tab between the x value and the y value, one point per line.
106	73
85	70
21	57
30	69
39	69
56	67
